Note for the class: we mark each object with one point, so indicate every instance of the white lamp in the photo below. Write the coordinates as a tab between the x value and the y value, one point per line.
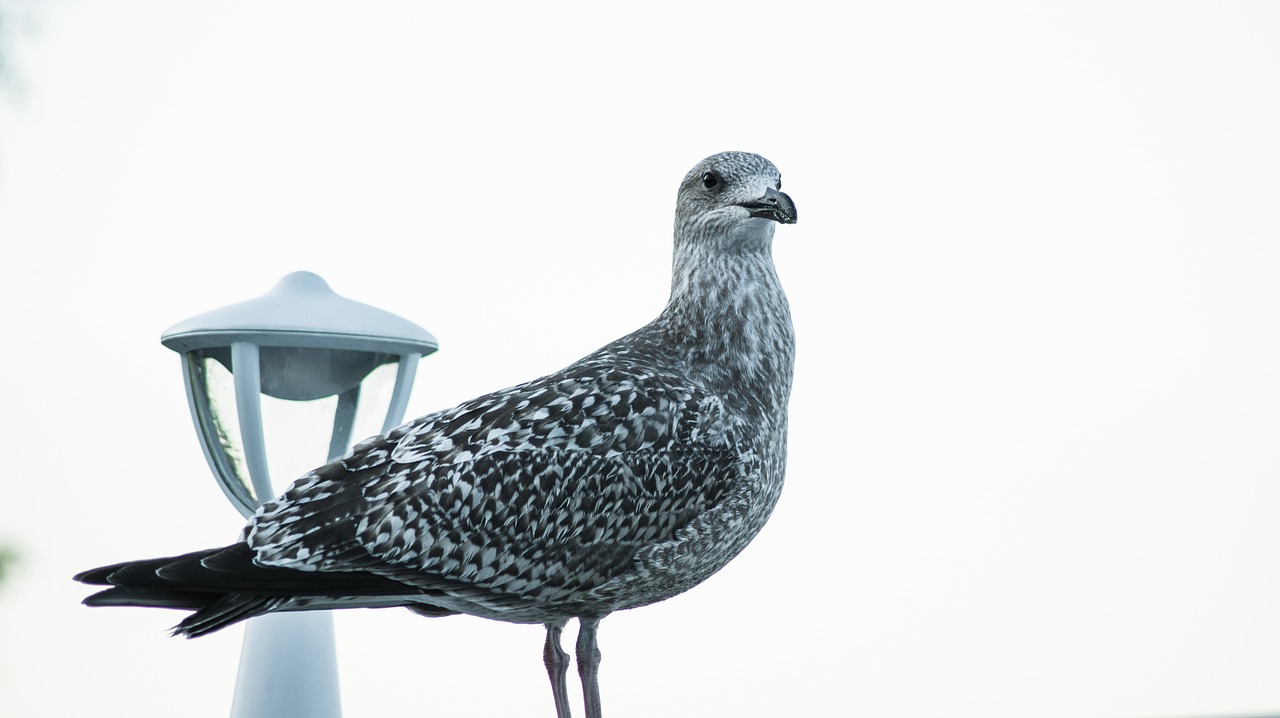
304	371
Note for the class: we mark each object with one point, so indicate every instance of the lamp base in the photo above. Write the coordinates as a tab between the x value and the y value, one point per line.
288	668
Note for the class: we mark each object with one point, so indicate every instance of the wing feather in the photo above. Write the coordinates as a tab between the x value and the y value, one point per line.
537	491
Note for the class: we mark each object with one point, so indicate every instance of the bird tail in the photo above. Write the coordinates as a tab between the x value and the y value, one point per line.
224	586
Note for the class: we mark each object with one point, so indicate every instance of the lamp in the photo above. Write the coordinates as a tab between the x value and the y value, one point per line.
304	371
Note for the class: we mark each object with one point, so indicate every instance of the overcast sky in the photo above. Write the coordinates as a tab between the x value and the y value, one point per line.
1036	282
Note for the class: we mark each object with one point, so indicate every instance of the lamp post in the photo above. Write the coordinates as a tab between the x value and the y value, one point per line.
304	371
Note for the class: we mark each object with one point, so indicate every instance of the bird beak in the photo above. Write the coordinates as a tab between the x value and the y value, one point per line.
774	205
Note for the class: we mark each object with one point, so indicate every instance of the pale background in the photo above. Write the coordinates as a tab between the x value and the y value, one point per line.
1035	281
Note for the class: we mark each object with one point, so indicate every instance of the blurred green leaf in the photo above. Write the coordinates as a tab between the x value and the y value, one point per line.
16	17
8	557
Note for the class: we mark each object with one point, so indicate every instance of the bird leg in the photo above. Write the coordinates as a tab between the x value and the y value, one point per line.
589	665
557	662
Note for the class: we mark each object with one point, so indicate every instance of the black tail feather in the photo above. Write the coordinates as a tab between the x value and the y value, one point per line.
224	586
116	596
231	608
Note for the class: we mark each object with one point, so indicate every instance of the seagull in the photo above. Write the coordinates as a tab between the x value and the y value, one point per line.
624	479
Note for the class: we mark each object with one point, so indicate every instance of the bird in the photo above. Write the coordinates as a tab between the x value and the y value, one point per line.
624	479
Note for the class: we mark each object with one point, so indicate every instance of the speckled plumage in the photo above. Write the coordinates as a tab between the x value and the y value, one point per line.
624	479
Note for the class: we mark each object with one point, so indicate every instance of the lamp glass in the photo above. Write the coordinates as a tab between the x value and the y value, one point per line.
217	386
299	434
315	404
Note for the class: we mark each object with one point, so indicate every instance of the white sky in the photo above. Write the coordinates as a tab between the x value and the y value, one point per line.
1035	280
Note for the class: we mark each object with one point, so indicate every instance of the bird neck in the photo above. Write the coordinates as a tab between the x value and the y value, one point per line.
728	321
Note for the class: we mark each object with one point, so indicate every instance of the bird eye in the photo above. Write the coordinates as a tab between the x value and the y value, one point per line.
709	180
778	186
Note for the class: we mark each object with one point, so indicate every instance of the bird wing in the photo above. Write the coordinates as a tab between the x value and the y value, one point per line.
538	491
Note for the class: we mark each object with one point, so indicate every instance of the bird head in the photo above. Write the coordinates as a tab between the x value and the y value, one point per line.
732	195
